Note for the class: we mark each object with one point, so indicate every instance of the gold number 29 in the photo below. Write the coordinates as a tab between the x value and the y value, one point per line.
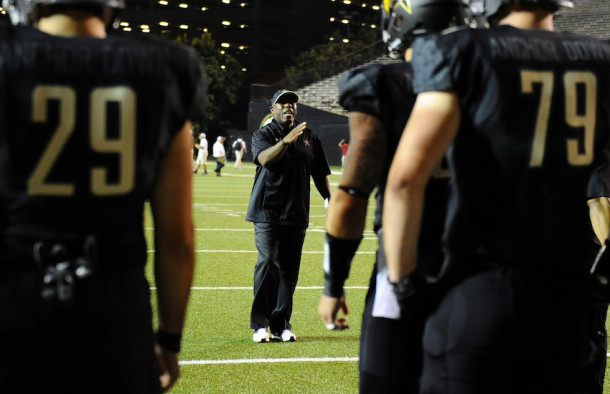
123	145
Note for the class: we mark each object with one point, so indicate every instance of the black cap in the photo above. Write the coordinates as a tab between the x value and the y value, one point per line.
292	99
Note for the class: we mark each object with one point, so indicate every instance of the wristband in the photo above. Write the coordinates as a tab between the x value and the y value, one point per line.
168	341
338	255
352	191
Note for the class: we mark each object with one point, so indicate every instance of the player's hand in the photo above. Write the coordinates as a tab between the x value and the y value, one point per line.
422	296
328	309
168	365
325	206
599	280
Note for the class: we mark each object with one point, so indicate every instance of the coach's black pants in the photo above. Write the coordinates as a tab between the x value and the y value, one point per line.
275	275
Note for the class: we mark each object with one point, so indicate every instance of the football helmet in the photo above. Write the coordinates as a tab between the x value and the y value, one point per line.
26	12
403	20
490	8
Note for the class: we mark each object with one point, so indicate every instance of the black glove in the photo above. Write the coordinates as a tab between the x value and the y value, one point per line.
599	283
416	296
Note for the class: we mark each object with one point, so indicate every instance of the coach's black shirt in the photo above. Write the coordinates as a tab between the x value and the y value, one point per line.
280	194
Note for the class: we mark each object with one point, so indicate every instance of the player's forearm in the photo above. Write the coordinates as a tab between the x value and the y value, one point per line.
272	154
171	206
174	261
174	267
344	226
346	215
402	212
323	186
367	155
429	132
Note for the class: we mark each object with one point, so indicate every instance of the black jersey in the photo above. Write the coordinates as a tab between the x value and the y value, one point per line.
535	116
280	194
386	92
84	124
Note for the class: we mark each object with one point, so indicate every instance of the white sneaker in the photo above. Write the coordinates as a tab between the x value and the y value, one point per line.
286	336
260	335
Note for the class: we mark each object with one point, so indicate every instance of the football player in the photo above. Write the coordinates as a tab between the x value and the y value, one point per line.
92	125
379	98
599	211
532	109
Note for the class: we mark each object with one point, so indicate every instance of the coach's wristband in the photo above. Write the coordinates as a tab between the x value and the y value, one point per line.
168	341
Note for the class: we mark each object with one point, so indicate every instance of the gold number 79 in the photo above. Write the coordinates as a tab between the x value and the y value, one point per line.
585	120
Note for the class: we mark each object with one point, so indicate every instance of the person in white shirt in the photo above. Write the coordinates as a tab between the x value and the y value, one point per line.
202	154
219	153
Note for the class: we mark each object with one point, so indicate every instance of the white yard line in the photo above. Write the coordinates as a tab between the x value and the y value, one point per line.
250	287
271	360
250	251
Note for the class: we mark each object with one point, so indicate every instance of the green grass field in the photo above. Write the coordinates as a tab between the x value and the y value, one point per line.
218	354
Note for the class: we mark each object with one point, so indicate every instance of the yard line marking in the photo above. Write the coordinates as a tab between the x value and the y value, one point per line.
250	287
224	229
317	229
271	360
253	251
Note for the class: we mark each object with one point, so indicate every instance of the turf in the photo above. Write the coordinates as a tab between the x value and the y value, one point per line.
218	353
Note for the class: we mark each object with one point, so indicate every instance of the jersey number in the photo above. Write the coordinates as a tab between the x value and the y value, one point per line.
582	117
123	146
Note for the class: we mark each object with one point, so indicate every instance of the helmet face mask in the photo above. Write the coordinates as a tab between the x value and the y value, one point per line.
18	10
403	20
26	12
